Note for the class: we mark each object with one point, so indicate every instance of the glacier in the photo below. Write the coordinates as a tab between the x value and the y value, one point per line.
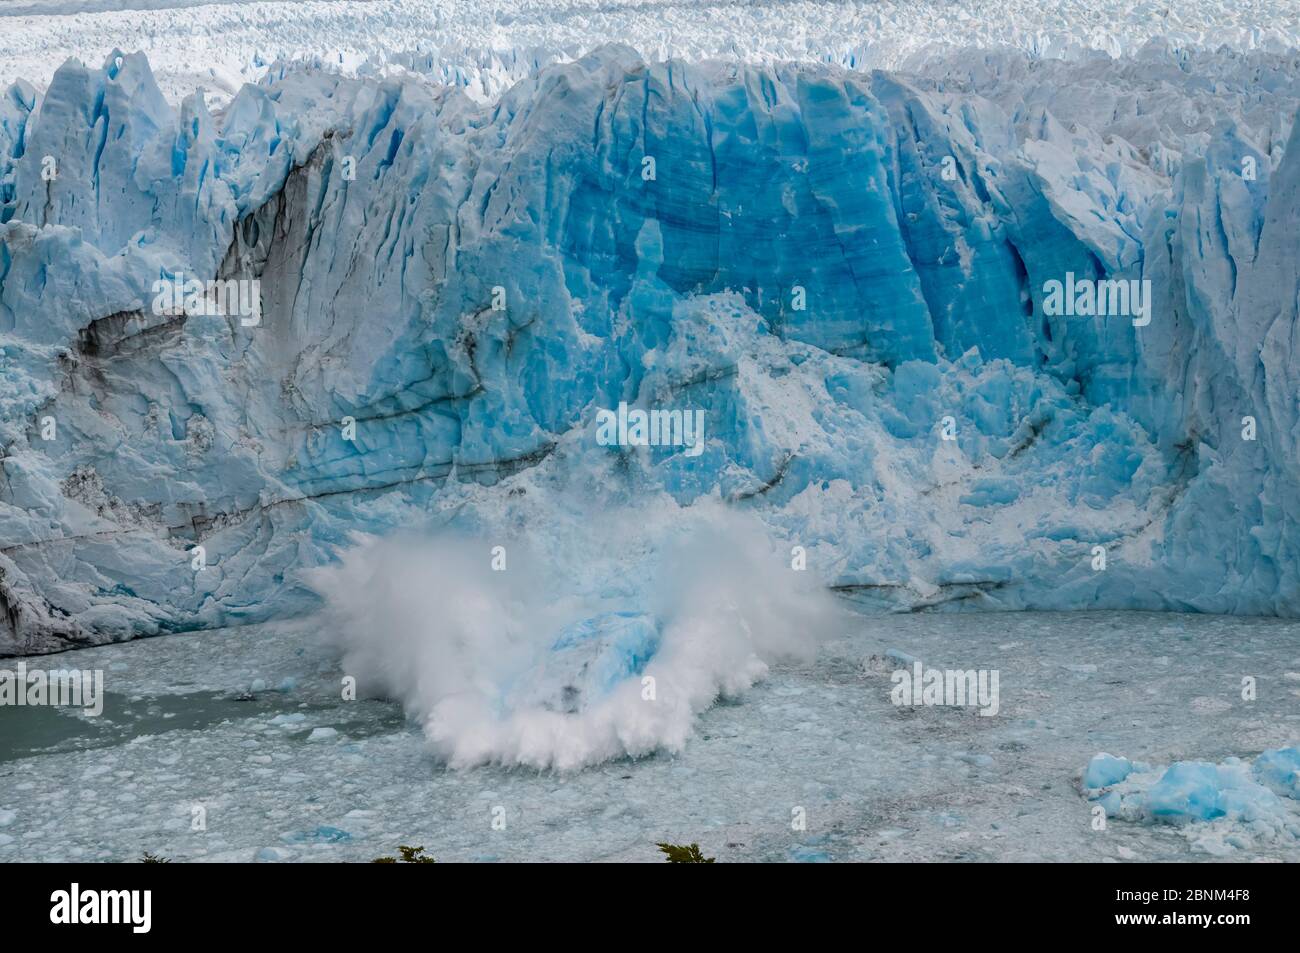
840	268
484	47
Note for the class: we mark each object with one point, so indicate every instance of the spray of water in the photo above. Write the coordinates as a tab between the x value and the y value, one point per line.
429	622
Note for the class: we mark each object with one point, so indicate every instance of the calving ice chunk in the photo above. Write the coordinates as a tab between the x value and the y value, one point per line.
1109	297
651	428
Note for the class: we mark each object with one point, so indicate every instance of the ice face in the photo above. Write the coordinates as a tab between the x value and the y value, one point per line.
949	349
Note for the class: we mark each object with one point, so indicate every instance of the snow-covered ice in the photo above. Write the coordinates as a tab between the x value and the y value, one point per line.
484	46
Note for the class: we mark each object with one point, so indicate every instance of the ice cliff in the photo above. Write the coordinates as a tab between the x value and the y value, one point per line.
839	268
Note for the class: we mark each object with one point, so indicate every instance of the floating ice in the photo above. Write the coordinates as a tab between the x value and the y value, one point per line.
1105	770
1279	771
1234	799
323	834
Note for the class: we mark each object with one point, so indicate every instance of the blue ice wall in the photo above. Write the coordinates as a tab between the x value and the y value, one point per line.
839	269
